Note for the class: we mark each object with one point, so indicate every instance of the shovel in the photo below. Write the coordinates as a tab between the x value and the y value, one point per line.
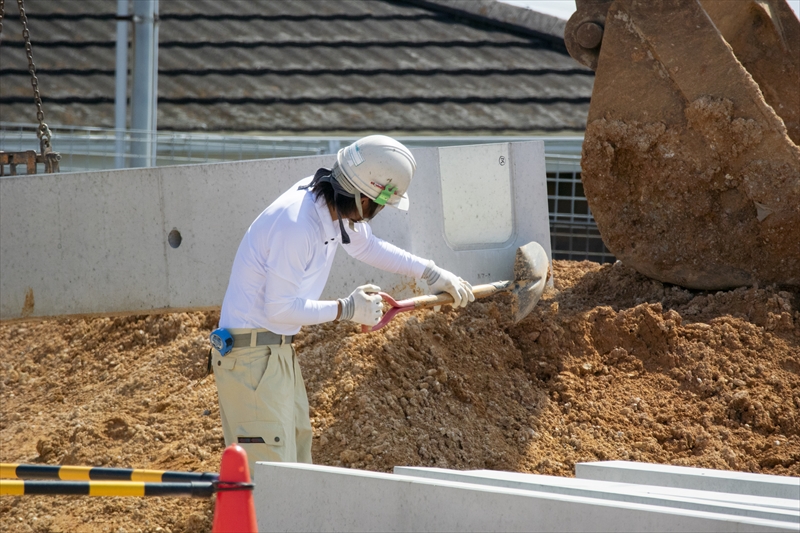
530	276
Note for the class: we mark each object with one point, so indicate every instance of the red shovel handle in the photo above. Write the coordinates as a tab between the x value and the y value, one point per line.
396	307
432	300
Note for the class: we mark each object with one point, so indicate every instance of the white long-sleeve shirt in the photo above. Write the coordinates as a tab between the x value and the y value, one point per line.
284	260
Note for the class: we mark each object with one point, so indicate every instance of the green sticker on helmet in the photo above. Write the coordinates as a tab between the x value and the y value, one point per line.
385	194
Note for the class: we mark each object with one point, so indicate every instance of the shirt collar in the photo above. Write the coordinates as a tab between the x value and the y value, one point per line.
331	231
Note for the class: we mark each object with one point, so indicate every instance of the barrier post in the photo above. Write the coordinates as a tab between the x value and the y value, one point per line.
234	511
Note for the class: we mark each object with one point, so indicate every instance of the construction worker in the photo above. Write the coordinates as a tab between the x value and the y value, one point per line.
278	275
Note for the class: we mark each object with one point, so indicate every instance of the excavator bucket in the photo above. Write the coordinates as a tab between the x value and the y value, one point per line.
690	160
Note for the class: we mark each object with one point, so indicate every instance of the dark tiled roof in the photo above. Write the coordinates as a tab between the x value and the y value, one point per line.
308	66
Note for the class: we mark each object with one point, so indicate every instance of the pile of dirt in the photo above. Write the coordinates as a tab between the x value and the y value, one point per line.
610	365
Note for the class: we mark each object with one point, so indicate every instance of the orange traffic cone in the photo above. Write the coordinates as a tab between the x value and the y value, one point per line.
234	511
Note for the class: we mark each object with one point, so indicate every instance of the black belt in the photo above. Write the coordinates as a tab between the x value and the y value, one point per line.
263	338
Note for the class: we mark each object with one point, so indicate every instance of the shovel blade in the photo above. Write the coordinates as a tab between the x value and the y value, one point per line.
530	277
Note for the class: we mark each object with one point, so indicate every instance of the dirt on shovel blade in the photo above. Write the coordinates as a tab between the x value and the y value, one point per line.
610	365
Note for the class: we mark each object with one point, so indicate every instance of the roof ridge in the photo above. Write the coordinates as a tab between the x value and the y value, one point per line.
503	15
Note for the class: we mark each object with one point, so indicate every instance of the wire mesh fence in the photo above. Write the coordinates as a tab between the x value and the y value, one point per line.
574	233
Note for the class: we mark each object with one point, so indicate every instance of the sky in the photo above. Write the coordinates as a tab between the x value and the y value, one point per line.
564	8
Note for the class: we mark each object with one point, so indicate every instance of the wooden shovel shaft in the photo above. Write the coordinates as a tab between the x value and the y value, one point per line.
530	273
444	298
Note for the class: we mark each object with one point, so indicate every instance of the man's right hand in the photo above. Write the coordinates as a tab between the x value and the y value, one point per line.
441	280
363	306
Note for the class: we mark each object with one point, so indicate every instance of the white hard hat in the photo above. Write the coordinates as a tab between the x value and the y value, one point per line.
380	168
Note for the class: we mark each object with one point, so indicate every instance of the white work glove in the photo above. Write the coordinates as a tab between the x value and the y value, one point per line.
363	307
441	280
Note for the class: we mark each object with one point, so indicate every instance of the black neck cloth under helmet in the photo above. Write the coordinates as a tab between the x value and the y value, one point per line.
326	175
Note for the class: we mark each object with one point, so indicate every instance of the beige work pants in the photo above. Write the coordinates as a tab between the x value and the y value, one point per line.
263	403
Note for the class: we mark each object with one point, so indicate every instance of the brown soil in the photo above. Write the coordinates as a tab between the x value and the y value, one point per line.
610	365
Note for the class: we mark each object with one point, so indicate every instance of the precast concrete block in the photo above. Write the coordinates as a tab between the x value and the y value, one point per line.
737	505
81	243
304	497
725	497
692	478
211	206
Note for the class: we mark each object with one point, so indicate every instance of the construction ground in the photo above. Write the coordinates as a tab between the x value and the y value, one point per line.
609	365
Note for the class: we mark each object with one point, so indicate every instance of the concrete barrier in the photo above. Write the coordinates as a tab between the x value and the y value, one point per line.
728	497
692	478
302	497
766	508
165	237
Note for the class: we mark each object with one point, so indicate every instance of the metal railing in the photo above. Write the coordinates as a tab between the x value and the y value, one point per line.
85	149
573	231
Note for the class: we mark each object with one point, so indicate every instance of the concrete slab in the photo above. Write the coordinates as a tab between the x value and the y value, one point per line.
692	478
302	497
744	499
67	241
680	498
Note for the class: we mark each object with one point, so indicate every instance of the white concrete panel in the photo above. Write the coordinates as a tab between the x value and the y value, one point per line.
77	242
99	242
477	202
679	498
302	497
212	206
692	478
723	497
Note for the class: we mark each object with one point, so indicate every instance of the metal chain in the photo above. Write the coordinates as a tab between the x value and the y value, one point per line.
44	132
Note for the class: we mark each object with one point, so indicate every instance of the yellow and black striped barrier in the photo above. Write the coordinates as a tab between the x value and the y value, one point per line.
232	512
195	489
102	481
96	473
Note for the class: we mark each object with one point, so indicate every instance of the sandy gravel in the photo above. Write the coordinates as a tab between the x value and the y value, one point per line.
610	365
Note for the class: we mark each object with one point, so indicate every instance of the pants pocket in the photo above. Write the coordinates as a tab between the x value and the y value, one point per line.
263	441
246	366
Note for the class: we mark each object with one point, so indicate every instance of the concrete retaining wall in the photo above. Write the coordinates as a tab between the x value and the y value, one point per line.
732	504
299	497
692	478
99	242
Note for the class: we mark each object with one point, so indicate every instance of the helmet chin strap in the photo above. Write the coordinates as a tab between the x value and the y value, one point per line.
357	197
